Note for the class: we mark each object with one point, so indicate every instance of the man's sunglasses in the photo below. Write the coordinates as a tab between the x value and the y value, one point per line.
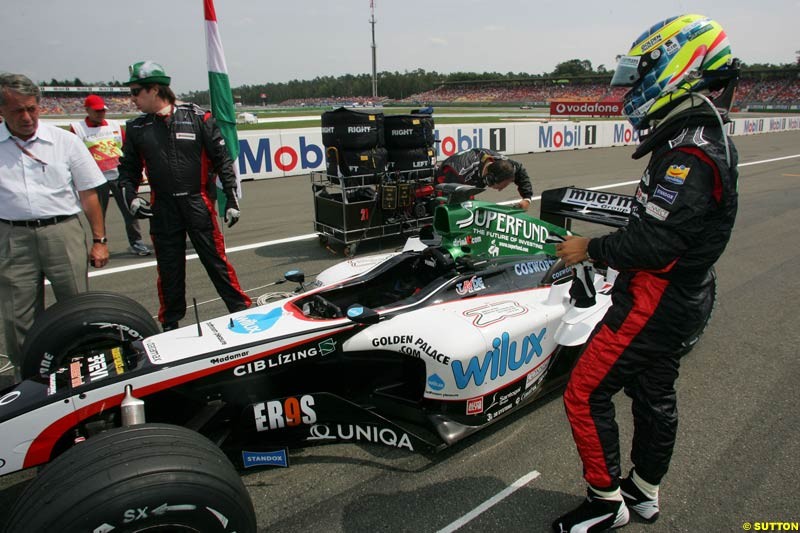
136	90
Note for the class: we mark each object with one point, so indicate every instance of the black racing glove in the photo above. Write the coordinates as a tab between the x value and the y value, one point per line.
138	206
582	291
232	211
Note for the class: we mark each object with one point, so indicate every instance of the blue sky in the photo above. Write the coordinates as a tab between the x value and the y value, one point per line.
270	41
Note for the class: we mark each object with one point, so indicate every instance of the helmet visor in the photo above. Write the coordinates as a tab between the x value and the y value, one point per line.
627	73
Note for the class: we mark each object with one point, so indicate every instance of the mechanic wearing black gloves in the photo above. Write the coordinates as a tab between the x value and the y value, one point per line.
177	144
481	167
679	226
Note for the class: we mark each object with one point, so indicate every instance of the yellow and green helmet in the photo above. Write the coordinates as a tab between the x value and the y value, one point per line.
667	62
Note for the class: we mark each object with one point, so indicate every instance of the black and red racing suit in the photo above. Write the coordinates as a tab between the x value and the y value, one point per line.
466	167
679	225
178	151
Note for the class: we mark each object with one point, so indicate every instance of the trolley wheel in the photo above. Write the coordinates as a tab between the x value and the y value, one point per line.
350	249
323	239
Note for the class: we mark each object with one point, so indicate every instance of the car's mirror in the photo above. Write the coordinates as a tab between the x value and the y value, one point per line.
362	315
295	276
458	193
428	236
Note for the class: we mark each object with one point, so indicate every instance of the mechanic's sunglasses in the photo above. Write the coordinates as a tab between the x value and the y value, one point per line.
136	90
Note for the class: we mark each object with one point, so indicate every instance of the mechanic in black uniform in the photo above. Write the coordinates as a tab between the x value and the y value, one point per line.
178	145
679	226
481	167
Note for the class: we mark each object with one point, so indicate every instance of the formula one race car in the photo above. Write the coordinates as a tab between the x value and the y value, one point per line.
414	350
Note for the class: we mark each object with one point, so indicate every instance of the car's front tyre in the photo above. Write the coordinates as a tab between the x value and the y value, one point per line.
90	320
149	477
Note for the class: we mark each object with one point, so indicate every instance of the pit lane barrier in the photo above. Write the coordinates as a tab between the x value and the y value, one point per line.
290	152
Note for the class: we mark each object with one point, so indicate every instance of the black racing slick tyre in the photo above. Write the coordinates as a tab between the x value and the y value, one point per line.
92	320
411	159
148	477
409	131
352	130
349	163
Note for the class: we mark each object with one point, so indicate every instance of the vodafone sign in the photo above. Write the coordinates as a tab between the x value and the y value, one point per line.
596	109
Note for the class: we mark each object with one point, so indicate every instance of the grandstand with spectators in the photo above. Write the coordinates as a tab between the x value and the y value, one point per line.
62	100
759	90
762	90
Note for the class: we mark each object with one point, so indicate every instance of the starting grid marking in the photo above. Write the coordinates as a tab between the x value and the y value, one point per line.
491	502
152	263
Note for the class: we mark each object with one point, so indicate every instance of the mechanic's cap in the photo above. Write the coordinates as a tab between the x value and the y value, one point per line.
95	102
147	72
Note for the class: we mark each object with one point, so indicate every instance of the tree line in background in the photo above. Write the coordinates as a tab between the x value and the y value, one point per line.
77	82
399	85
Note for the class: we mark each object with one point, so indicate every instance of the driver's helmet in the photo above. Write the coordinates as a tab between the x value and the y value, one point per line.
669	61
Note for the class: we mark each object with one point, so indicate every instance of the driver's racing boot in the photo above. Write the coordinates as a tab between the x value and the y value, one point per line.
637	499
169	326
594	515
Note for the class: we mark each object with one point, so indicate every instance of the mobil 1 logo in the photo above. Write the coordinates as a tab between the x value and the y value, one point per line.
590	135
497	139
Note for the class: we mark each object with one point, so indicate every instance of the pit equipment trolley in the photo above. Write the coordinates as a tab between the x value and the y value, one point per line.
352	209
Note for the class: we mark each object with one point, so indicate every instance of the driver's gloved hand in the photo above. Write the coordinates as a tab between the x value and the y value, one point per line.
138	206
232	210
232	216
582	290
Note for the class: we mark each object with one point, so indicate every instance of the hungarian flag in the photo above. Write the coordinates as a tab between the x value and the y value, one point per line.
219	87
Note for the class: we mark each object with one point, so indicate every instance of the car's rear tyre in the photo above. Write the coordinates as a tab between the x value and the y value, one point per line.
91	320
150	477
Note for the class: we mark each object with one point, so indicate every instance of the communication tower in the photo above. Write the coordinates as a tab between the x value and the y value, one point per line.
374	51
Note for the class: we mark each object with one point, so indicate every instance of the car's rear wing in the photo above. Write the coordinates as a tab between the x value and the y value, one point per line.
561	206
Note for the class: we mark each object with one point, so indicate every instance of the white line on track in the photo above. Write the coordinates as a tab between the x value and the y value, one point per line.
117	270
494	500
768	160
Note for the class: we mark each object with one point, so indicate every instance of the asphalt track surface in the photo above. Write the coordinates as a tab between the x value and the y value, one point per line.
736	459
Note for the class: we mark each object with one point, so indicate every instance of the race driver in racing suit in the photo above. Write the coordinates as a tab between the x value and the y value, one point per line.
680	223
178	145
481	167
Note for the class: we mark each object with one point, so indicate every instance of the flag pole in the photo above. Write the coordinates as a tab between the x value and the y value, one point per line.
221	97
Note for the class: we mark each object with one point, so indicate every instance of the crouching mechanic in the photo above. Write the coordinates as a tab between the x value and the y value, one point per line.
178	144
679	225
481	167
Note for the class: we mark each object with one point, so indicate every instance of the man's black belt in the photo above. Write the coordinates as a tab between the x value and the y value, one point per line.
38	222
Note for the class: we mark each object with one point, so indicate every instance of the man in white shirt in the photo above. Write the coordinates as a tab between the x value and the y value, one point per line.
47	176
104	137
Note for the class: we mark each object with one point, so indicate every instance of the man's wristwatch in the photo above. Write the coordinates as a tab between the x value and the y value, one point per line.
101	240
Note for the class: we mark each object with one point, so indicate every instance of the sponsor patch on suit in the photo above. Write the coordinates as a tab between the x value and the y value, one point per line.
677	174
665	194
656	212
